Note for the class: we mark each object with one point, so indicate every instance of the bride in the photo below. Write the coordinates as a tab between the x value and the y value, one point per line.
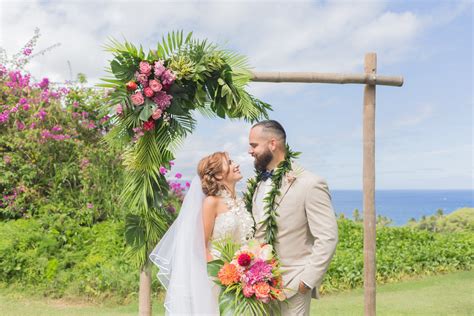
211	211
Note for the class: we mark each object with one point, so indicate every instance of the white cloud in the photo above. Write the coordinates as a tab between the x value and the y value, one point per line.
331	36
418	115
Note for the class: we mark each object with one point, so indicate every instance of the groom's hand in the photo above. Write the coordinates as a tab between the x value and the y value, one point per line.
303	289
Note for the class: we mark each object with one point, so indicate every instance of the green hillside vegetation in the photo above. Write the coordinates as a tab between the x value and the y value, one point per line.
460	220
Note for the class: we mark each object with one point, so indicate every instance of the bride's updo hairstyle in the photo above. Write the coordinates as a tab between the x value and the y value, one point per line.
211	172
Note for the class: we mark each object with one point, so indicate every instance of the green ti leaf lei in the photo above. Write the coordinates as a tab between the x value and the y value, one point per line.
270	217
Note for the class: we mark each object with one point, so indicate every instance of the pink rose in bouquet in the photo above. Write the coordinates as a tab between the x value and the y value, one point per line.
157	114
148	92
137	99
155	85
145	68
142	79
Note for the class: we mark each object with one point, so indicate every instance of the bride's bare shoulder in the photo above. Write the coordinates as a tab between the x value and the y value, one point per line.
211	200
213	204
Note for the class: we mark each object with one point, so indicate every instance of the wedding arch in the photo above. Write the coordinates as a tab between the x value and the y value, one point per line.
153	96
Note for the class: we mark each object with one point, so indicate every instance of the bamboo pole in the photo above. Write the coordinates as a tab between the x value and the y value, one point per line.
315	77
144	293
369	188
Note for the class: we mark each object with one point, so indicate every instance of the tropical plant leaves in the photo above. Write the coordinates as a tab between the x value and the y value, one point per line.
134	230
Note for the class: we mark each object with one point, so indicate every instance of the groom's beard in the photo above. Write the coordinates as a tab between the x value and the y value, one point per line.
261	162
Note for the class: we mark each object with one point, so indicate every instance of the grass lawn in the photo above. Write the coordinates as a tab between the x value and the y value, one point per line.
450	294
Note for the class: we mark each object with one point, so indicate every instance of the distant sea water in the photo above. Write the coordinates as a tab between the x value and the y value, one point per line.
401	205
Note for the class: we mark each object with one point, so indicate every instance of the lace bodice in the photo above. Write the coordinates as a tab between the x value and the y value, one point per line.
236	223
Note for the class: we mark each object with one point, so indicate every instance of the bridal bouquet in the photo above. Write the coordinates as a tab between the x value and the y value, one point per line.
250	279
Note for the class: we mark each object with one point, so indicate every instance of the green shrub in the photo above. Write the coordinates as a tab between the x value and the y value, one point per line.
401	252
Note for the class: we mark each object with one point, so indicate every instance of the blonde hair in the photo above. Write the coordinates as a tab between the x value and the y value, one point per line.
210	170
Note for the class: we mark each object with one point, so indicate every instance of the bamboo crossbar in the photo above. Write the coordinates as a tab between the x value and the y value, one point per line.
316	77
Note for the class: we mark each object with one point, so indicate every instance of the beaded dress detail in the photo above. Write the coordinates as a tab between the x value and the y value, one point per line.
236	223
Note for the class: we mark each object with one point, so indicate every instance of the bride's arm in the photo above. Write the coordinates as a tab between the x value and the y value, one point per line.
209	211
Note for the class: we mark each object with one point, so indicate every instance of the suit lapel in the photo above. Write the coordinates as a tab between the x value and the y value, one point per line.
287	182
286	185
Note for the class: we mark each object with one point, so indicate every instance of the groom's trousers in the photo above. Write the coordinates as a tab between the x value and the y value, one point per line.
298	305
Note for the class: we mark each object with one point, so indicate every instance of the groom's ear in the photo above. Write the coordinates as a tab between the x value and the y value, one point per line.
272	144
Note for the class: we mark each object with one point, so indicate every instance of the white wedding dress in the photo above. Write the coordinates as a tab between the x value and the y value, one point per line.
236	223
181	253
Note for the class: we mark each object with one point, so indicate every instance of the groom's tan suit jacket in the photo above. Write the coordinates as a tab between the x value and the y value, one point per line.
307	229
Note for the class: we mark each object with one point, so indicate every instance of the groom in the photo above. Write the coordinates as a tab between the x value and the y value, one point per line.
306	235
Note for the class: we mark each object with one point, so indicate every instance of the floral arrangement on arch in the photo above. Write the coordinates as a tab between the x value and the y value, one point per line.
155	93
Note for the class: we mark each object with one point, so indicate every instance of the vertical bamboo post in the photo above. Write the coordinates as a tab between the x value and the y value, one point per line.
369	188
144	299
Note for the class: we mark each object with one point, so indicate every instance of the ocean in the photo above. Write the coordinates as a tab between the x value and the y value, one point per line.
401	205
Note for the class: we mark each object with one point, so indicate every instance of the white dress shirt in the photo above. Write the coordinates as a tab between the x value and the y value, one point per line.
262	189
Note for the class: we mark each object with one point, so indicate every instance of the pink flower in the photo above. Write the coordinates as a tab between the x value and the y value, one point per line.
32	125
258	272
41	114
162	99
4	116
145	68
119	109
262	291
168	77
155	85
27	51
159	68
57	128
20	125
163	170
104	119
178	175
248	290
143	79
44	83
157	114
90	205
7	159
188	184
148	92
91	125
138	133
137	99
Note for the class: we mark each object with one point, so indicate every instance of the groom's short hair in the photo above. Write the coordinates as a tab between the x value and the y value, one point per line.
273	127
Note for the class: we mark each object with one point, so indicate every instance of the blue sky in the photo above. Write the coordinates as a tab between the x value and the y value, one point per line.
424	129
